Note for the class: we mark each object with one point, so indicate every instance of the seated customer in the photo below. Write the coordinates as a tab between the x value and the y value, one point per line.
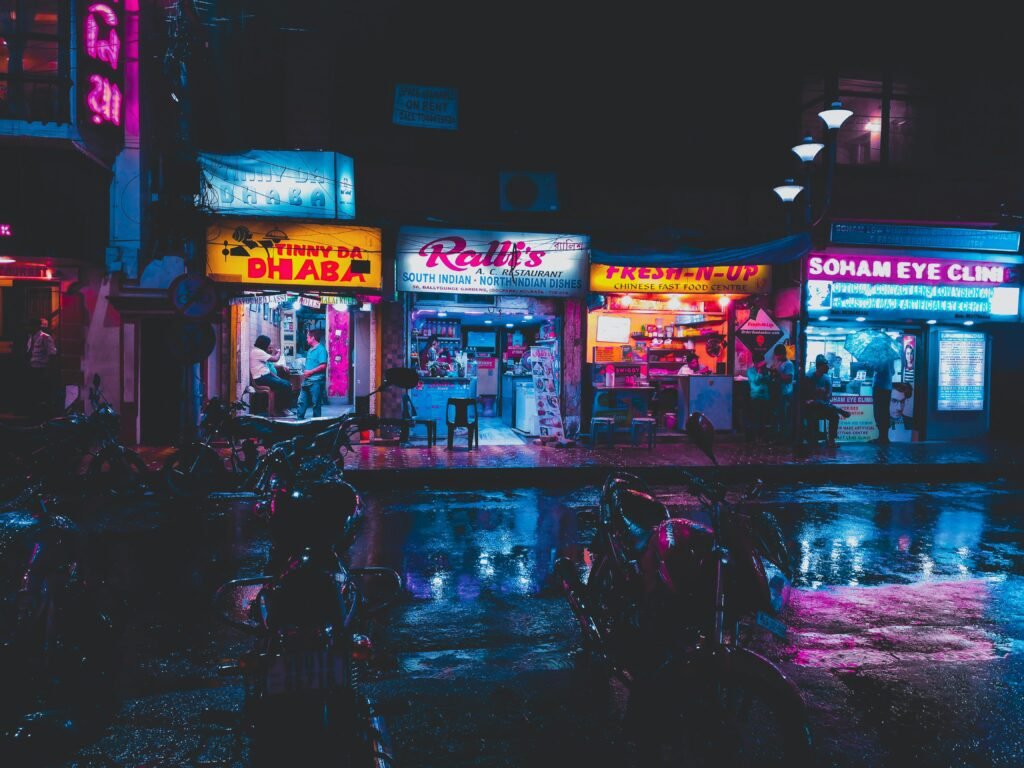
263	374
818	401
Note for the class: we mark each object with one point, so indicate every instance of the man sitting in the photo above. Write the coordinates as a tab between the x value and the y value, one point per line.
261	356
818	402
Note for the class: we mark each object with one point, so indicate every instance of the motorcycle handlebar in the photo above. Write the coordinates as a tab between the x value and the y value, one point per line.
713	492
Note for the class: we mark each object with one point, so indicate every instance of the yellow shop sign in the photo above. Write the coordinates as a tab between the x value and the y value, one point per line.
737	278
293	253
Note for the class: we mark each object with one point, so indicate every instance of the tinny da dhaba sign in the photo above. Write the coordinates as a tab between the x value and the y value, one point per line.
510	263
292	253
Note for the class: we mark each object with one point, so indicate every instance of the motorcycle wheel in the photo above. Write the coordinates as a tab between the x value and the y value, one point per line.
720	714
192	472
118	470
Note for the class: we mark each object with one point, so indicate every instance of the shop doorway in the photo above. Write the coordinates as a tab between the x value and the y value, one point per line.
483	354
162	385
286	320
21	306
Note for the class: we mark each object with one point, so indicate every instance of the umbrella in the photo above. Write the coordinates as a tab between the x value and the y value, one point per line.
872	347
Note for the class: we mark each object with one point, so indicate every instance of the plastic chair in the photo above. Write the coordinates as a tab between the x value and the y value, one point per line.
599	424
642	424
457	415
411	421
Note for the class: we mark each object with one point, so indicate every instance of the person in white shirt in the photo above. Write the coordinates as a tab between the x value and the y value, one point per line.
43	376
263	373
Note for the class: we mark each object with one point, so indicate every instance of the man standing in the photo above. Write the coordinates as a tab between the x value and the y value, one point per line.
41	350
758	377
782	390
881	392
314	376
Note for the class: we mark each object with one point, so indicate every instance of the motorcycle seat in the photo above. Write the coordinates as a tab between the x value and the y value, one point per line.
274	431
641	514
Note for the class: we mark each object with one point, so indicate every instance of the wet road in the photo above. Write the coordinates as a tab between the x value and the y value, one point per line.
906	627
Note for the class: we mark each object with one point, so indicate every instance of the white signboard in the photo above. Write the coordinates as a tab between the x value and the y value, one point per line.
425	107
292	184
961	371
545	383
511	263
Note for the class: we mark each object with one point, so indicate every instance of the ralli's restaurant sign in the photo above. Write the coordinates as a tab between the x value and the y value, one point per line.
510	263
292	253
738	278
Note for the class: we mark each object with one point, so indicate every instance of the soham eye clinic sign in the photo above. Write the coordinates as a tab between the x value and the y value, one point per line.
292	253
510	263
911	287
291	184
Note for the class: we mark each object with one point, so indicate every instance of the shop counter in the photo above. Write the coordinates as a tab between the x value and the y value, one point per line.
430	398
712	395
621	403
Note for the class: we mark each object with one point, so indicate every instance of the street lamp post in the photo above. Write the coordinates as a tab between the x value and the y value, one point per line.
807	151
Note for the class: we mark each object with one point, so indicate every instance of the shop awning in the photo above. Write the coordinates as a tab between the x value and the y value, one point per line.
779	251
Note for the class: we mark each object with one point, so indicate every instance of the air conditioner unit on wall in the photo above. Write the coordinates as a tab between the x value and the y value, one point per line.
521	191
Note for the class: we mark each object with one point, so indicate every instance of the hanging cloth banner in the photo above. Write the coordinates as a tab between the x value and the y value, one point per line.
549	412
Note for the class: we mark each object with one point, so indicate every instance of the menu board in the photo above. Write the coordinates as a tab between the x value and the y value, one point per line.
961	371
549	412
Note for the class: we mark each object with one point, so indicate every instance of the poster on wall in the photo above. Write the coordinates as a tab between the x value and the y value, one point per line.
860	426
488	263
759	334
549	412
961	385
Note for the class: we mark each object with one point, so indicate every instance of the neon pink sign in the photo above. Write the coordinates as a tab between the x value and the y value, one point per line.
909	270
6	231
102	43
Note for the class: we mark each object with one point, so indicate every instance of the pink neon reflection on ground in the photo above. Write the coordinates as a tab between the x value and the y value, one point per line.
850	627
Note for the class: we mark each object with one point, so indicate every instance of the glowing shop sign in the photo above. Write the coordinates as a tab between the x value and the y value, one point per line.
737	278
293	253
906	270
957	302
6	230
961	371
293	184
509	263
102	43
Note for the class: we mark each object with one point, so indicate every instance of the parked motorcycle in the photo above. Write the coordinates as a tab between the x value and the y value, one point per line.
52	453
304	456
666	608
309	616
112	465
200	467
58	642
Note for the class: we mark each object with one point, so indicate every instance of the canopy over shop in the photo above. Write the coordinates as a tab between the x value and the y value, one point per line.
290	278
672	329
935	304
493	319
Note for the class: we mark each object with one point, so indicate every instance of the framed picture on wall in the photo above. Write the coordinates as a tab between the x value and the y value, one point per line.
253	308
276	317
266	312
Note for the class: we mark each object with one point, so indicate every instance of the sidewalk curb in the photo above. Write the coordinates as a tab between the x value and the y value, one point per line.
844	473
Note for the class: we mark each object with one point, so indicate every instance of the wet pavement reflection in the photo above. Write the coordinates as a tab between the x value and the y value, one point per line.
905	627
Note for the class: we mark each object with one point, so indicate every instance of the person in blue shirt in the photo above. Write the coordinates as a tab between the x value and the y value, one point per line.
314	377
758	376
